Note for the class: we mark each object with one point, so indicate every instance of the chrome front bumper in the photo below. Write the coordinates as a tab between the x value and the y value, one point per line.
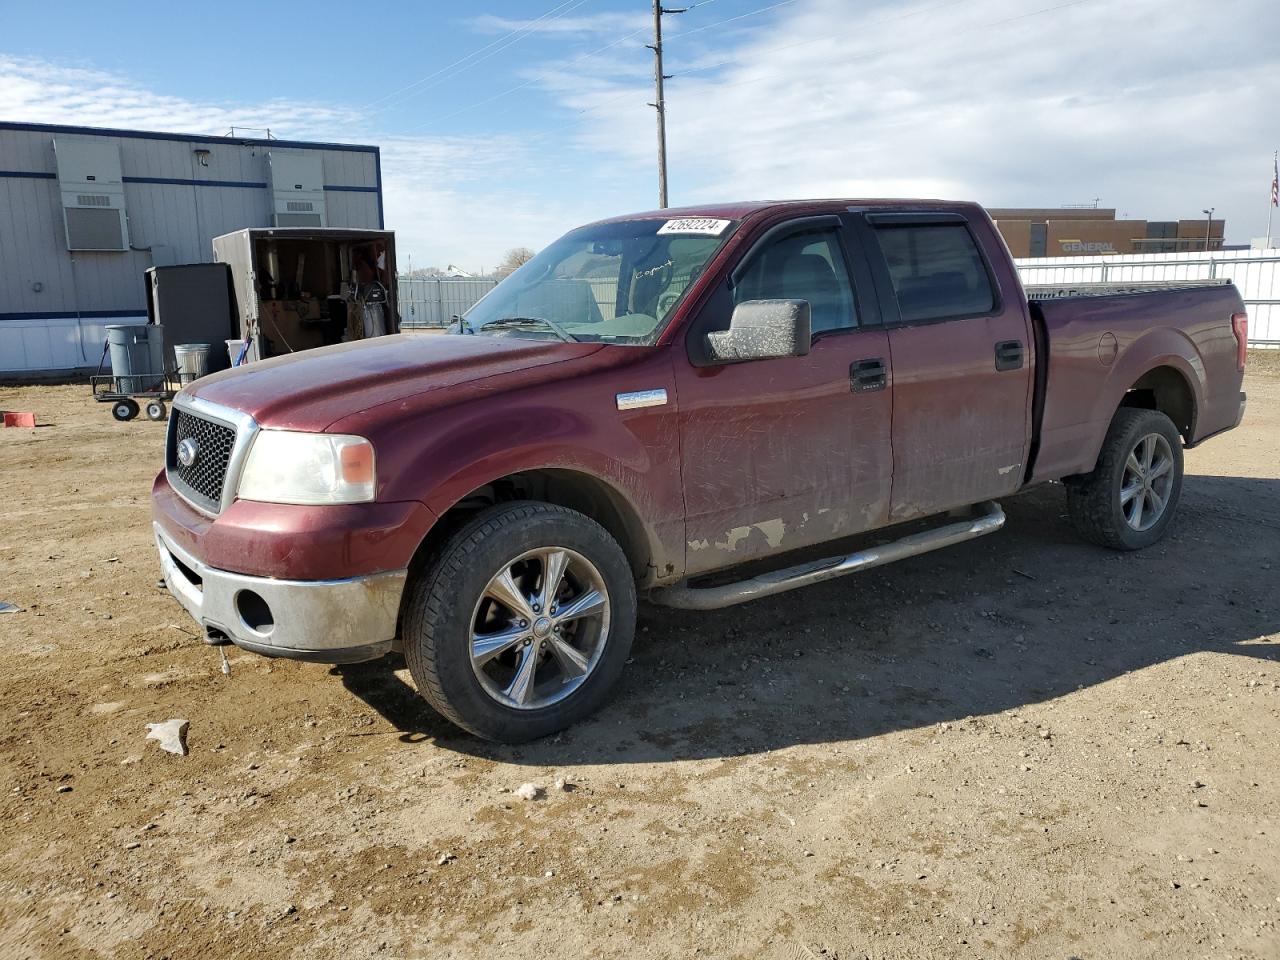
326	621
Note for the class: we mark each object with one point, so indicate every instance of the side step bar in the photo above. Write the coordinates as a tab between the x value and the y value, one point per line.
990	518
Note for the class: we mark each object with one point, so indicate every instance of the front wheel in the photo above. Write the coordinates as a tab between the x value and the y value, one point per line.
1130	497
522	624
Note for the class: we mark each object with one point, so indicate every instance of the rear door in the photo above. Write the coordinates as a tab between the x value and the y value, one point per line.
962	360
783	453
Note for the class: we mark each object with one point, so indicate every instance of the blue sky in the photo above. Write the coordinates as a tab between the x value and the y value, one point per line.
505	123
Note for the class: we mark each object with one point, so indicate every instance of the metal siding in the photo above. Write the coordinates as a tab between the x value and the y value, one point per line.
182	217
22	151
32	248
61	344
1256	273
356	211
226	210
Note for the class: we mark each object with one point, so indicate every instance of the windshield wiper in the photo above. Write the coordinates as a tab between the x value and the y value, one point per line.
551	325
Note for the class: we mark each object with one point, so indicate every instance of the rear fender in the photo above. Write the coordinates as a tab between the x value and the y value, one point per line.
1153	349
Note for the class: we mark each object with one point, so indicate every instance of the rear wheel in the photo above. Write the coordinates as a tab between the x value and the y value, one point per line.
156	410
522	623
124	409
1130	497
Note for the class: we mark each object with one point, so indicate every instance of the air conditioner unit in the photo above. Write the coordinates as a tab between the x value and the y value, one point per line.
297	188
92	187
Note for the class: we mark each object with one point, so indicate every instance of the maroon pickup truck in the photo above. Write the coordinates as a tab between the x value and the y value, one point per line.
651	402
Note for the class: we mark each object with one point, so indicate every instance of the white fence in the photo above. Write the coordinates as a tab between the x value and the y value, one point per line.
435	301
1256	273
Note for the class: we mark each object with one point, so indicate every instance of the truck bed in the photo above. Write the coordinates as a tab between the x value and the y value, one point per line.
1104	341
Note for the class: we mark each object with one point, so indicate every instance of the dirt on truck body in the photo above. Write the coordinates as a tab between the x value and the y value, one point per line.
661	398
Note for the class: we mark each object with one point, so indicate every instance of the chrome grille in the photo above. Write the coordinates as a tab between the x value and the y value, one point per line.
204	479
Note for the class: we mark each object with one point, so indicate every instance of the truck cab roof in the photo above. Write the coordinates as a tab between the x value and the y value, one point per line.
741	210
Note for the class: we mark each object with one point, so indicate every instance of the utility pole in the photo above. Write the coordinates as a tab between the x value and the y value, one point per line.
1208	227
660	105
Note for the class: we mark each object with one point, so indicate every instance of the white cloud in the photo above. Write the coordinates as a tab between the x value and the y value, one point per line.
468	200
460	200
1158	111
39	91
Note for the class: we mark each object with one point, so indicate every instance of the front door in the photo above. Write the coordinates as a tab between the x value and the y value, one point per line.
962	362
784	453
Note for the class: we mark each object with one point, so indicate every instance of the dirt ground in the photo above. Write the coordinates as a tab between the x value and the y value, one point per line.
1023	746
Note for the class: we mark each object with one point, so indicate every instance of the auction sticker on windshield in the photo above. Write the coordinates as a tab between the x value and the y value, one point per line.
701	225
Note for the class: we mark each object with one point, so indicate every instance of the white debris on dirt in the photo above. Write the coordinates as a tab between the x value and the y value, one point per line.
445	858
529	791
172	735
6	607
563	785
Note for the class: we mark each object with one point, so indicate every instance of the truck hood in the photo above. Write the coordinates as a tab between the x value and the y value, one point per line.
312	389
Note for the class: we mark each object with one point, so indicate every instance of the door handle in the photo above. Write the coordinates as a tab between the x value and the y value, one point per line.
1009	355
867	375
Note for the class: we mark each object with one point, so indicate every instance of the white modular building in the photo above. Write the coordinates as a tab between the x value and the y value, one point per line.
84	212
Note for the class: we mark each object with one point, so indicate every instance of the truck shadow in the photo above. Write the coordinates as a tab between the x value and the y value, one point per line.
1004	622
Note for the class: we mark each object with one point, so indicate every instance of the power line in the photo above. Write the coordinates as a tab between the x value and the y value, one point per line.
800	43
478	56
538	79
742	16
459	61
585	56
726	62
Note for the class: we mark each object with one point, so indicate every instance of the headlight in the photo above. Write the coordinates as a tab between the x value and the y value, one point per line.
288	467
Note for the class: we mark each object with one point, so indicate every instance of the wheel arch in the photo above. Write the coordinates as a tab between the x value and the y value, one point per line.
1166	389
562	486
1162	371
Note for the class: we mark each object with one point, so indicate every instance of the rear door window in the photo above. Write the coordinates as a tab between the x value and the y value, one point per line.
937	271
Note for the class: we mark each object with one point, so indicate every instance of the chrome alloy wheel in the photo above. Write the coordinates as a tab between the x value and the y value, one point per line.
539	628
1146	482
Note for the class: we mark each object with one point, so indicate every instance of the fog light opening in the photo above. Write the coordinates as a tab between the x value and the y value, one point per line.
254	612
192	577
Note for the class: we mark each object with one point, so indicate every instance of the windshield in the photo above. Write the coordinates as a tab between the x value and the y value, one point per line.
612	283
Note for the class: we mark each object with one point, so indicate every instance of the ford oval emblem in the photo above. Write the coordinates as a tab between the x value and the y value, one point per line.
188	450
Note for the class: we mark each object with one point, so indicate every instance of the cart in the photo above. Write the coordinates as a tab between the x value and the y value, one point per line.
124	392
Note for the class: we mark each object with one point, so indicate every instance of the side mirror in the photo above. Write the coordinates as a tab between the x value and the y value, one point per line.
762	330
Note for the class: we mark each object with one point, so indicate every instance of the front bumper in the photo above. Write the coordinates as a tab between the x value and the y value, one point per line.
325	621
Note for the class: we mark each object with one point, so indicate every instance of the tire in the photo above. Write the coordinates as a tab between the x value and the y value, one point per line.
124	409
453	604
1104	504
156	410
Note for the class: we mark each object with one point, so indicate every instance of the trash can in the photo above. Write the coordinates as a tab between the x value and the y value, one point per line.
193	360
136	356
